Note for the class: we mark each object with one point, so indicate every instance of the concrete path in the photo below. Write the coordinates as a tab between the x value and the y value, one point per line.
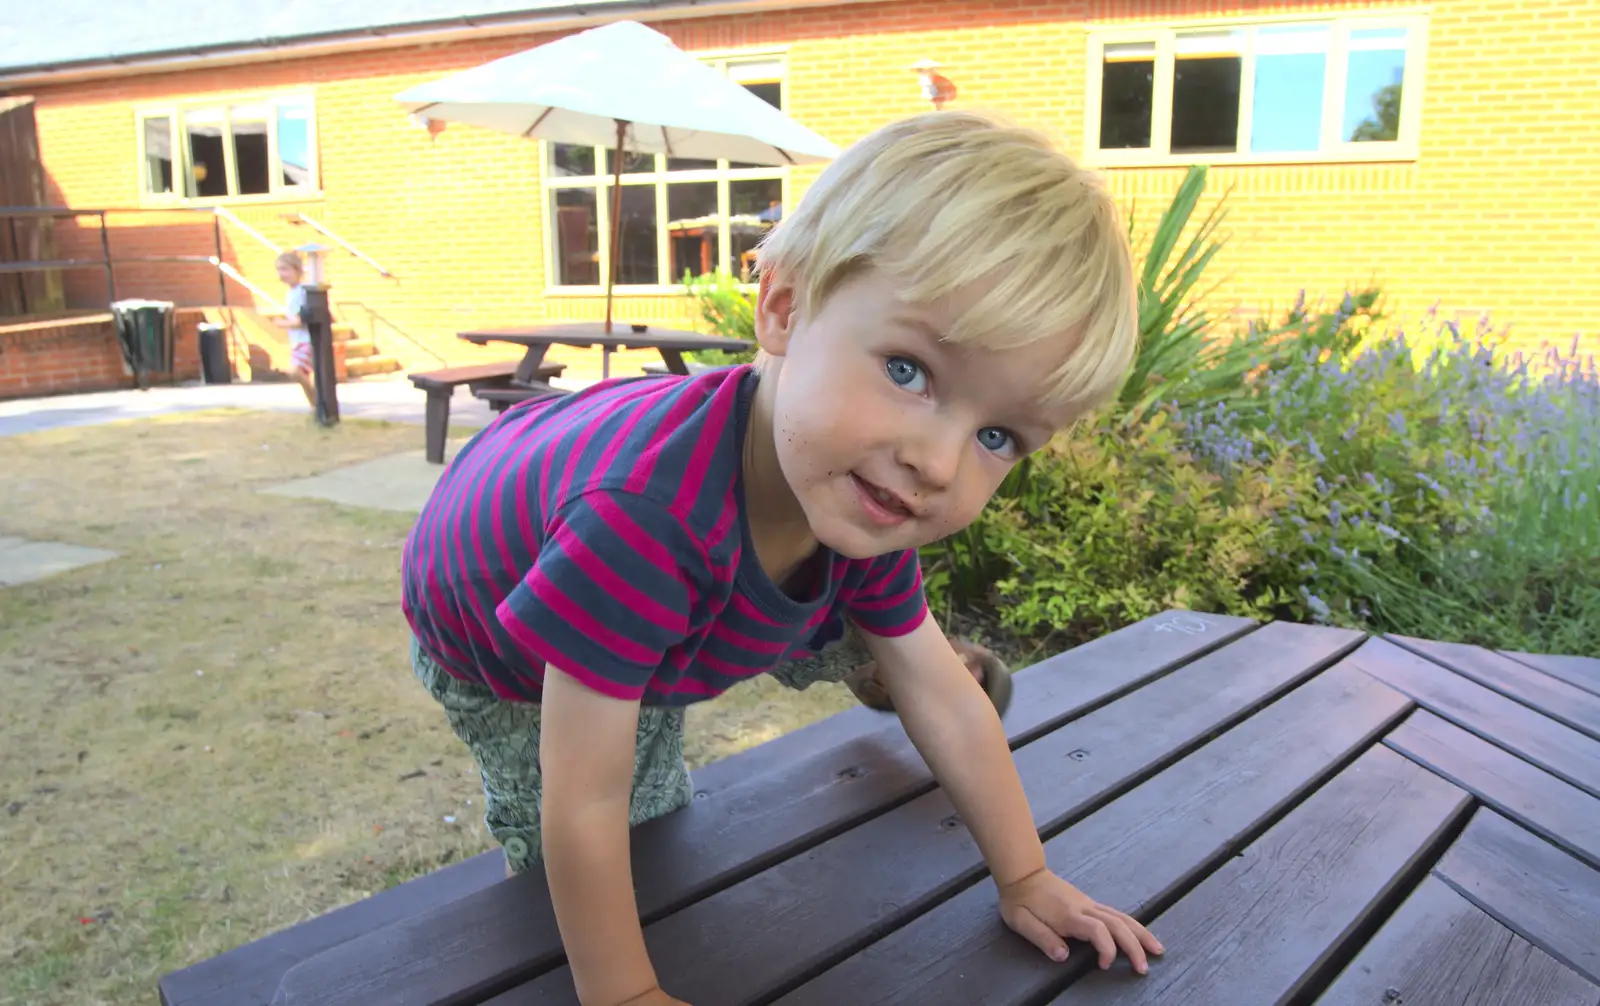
22	561
392	400
399	482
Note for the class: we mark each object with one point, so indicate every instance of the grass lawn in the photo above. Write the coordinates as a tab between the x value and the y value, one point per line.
217	735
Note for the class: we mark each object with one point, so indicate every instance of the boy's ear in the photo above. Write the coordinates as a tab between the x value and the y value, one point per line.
775	314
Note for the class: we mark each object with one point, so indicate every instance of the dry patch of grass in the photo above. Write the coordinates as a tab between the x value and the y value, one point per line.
218	735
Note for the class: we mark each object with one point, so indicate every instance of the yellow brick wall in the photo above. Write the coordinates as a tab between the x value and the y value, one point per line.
1498	213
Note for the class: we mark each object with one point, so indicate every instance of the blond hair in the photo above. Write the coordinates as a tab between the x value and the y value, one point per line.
292	260
950	201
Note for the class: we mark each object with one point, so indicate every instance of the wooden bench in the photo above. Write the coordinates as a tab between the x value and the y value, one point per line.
440	386
1396	820
502	398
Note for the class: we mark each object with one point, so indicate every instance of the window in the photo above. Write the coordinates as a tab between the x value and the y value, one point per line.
679	215
223	150
1295	90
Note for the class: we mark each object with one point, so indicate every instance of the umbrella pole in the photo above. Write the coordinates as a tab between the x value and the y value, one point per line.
616	221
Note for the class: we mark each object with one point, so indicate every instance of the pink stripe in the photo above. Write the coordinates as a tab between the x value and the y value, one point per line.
643	390
585	622
608	458
691	395
876	584
705	447
535	643
637	538
742	605
620	590
724	667
882	603
720	631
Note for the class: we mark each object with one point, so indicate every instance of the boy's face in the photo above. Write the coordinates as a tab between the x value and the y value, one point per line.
889	438
287	274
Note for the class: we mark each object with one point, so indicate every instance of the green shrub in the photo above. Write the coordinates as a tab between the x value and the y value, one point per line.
727	310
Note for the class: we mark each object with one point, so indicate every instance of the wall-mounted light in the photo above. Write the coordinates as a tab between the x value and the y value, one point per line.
433	126
936	87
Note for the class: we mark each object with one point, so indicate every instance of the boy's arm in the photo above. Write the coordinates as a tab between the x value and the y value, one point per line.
586	751
953	725
955	728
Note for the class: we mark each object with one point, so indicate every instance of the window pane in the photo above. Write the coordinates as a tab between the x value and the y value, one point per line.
757	206
756	71
208	171
690	164
1291	65
158	155
1127	95
577	237
569	160
633	164
249	124
692	229
294	143
639	258
1205	92
770	92
1373	84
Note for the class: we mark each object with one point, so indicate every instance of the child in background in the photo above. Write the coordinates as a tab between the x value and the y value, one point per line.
290	272
950	294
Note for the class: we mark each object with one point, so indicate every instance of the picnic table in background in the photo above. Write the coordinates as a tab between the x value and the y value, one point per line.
1301	813
536	340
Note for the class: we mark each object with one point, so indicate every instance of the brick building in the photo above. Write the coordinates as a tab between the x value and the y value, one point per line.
1448	151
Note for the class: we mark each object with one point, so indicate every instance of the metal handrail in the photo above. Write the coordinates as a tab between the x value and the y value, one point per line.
336	239
251	231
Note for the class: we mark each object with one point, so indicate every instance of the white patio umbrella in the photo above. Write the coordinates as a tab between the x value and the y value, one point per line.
625	86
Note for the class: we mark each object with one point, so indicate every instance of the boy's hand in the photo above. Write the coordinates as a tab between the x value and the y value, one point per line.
1042	908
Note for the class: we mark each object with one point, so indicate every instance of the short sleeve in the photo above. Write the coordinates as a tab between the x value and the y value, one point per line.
890	600
614	586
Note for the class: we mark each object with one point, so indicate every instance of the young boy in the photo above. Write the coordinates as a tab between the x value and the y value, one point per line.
290	272
950	294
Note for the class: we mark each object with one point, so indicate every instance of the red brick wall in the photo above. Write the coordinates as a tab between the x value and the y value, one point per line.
1495	214
81	354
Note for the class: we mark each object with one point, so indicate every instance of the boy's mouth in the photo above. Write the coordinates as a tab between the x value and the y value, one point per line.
884	506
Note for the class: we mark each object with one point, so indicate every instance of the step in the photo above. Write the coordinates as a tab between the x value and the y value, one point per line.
343	333
370	365
356	348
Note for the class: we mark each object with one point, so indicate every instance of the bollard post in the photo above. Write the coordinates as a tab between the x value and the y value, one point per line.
318	318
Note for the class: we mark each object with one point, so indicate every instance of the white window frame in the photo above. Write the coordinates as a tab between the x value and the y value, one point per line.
1331	148
600	183
276	191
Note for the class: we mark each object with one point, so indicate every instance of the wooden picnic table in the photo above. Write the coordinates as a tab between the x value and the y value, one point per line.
671	343
1302	814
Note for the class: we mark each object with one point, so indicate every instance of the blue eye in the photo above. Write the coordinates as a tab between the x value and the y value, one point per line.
907	374
993	438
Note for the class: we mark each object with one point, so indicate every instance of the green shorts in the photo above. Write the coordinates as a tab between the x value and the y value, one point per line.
503	738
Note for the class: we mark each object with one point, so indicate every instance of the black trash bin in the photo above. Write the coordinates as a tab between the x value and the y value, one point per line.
214	366
144	331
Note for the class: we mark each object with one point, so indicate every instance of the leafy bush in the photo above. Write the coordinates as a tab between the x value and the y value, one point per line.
727	310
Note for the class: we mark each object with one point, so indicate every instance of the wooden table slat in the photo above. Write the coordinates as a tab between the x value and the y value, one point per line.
1558	811
248	975
1140	851
1532	888
1155	645
1441	950
1584	672
771	932
1245	934
506	933
1557	749
1562	702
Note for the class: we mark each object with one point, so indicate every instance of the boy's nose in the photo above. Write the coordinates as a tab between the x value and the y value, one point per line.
933	453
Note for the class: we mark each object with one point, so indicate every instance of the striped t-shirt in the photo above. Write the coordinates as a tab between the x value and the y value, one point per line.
604	532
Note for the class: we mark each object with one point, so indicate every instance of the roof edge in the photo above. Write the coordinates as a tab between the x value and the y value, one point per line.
568	16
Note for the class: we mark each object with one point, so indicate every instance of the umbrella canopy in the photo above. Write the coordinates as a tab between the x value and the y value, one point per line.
586	87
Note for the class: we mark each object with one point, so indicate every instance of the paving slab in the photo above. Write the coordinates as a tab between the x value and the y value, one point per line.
23	561
399	482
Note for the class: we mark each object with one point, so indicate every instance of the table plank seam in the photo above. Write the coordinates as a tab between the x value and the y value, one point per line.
1504	920
1319	978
